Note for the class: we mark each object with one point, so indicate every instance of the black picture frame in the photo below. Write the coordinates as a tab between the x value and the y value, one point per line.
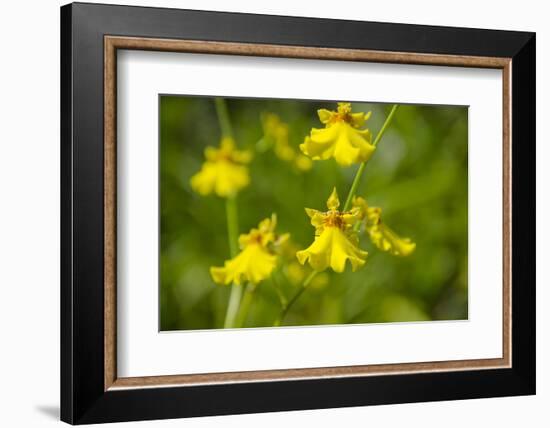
83	396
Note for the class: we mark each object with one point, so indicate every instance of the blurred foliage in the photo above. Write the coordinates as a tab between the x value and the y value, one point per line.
418	176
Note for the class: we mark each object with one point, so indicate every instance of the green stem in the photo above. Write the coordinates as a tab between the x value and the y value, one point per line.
354	186
385	125
223	118
245	305
286	308
233	237
359	172
233	305
232	220
275	280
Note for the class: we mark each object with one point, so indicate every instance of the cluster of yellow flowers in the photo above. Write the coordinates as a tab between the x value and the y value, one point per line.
343	138
336	239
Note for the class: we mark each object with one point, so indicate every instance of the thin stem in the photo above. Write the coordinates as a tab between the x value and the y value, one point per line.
282	298
354	186
386	124
286	308
245	305
233	305
361	168
232	220
223	118
233	237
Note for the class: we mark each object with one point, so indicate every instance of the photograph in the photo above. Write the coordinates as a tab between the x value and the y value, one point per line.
283	212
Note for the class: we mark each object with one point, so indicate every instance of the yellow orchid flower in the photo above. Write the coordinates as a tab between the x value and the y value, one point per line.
277	133
335	241
342	138
224	172
256	260
381	235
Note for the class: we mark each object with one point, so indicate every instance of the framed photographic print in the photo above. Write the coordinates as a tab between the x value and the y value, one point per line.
265	213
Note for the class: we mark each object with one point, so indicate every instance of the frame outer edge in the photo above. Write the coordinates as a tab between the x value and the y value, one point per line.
66	304
87	210
524	215
242	27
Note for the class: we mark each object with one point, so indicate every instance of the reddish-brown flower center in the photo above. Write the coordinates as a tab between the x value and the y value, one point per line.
334	219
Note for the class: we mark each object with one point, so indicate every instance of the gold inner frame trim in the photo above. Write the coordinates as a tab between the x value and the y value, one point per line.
113	43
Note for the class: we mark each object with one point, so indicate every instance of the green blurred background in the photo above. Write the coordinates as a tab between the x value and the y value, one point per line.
418	176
